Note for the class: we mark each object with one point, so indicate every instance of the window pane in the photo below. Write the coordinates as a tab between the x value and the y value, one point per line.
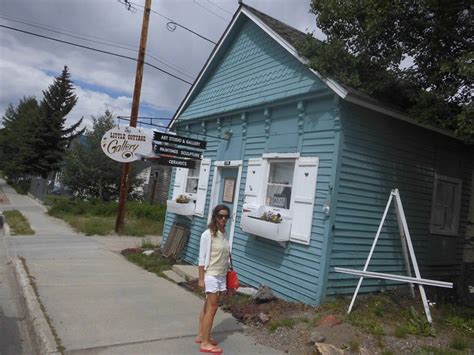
195	172
281	173
443	214
278	196
192	185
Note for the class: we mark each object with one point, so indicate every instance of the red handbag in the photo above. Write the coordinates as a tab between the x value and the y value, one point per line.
232	278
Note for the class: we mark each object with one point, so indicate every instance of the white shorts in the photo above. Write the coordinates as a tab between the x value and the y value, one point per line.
214	284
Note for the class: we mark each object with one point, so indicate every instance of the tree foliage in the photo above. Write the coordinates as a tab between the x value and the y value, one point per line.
53	136
34	137
416	55
88	173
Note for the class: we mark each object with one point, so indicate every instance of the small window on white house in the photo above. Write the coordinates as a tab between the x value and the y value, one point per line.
193	179
446	205
279	185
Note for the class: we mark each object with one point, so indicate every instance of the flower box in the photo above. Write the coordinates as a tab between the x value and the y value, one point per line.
184	209
279	232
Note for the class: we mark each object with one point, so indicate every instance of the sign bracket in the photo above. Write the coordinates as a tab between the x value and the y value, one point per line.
406	243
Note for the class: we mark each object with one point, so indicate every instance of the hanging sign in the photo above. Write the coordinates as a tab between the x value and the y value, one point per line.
179	163
177	152
126	144
169	138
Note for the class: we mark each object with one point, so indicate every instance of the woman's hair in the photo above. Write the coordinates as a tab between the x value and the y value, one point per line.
213	224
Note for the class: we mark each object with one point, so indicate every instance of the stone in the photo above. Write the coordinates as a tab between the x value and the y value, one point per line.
329	321
264	294
316	337
148	252
263	317
327	349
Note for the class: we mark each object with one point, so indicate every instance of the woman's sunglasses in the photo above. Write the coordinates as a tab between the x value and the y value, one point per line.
222	216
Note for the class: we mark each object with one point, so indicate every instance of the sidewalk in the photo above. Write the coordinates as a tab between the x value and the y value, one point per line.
99	303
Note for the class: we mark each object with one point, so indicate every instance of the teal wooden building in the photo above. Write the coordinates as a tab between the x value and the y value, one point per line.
321	155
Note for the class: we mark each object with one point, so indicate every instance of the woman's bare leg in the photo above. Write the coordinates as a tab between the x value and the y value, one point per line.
212	303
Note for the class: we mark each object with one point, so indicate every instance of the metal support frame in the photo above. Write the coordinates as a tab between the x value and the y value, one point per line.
406	243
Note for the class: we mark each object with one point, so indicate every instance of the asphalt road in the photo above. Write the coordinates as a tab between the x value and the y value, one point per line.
13	334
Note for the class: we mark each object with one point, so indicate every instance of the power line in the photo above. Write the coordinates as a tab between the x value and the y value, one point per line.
96	50
210	11
172	24
220	7
125	47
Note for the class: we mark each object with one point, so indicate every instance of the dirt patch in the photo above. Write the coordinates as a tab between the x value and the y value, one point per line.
385	323
3	198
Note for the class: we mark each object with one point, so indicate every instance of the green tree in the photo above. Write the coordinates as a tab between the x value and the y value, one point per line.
18	137
88	172
53	137
414	54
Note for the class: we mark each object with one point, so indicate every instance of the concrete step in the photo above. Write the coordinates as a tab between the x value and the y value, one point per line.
189	272
174	276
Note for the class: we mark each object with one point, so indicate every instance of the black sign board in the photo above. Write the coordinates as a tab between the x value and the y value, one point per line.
178	163
169	138
177	152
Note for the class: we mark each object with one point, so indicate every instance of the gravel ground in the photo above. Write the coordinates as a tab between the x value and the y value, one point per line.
371	328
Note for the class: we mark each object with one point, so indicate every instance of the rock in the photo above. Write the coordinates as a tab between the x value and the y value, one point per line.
316	337
264	318
264	294
148	252
247	291
329	321
327	349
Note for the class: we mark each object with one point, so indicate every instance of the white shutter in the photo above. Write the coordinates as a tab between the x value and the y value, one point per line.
304	191
179	182
254	181
202	187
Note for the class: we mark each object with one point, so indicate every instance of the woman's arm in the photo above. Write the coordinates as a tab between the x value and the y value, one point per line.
201	277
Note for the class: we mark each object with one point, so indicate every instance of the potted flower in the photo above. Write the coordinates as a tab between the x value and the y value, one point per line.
269	225
182	199
181	205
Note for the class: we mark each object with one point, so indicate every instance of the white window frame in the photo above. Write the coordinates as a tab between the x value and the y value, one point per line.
268	161
457	206
267	158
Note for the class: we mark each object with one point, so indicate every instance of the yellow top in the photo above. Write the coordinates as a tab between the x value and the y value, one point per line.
220	249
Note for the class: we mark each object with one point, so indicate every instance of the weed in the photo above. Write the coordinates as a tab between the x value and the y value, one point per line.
402	331
388	352
18	223
354	345
430	350
366	322
154	263
147	244
419	325
458	343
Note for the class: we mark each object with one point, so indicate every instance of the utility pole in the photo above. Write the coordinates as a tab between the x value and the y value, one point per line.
134	115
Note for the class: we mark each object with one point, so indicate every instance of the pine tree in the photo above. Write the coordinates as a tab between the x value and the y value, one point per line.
18	137
53	137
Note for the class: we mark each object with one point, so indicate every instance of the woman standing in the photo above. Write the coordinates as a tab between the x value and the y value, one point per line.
213	264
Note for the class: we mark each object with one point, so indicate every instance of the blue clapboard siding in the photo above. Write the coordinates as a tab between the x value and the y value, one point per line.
292	272
379	154
251	69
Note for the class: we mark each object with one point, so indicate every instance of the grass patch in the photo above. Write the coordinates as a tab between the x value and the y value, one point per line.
431	350
60	348
354	345
459	343
154	263
18	223
366	322
98	217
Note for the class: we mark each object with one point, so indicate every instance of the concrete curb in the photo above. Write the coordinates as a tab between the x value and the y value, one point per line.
38	327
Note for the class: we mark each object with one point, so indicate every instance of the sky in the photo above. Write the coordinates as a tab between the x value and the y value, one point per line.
28	64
